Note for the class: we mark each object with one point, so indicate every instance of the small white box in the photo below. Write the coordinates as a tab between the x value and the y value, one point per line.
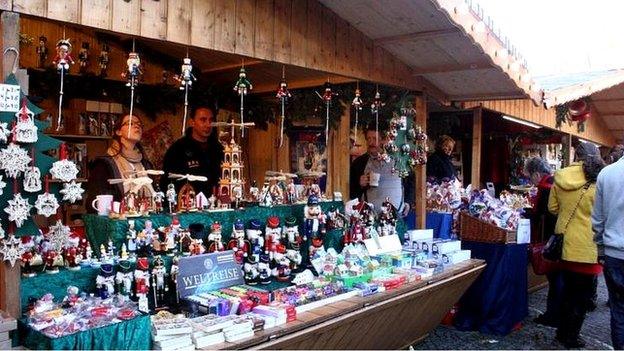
445	247
456	257
420	234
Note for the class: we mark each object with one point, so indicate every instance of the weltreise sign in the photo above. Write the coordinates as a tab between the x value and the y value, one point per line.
208	272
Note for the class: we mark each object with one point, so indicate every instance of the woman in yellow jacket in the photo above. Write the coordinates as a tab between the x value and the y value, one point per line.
572	200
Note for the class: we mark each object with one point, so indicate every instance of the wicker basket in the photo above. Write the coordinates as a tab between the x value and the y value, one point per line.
475	229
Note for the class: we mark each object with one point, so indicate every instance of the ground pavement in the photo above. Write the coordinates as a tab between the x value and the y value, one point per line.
532	336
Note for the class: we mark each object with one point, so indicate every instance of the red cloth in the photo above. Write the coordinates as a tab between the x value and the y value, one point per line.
582	268
545	183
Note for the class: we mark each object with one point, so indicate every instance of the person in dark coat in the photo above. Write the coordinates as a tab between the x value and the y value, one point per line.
123	158
439	165
198	152
540	174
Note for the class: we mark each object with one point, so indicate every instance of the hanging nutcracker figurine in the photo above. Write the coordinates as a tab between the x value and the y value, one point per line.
62	60
242	87
132	74
375	109
357	106
186	79
283	95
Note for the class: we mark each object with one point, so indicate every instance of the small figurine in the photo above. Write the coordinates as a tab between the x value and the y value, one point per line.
131	238
171	197
254	192
175	269
159	274
254	235
196	247
142	283
83	56
31	259
130	201
314	226
144	240
186	77
42	52
133	69
104	257
291	235
72	298
172	235
105	281
282	267
291	191
243	85
72	257
266	199
103	59
238	244
214	238
213	202
124	278
185	242
264	269
158	199
273	233
63	57
250	269
53	261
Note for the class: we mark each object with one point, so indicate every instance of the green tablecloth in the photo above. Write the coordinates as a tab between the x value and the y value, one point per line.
127	335
99	228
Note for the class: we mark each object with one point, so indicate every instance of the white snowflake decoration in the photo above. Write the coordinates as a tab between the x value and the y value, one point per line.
1	232
18	210
64	170
25	129
4	132
46	204
59	236
72	192
2	185
12	250
14	160
32	180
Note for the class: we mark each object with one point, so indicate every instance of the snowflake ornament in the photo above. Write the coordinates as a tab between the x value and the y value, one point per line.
14	160
72	191
46	204
12	250
59	236
2	185
64	170
18	210
32	180
1	232
4	132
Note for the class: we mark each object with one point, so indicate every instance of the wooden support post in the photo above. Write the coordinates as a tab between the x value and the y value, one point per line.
420	173
9	276
477	130
339	161
566	142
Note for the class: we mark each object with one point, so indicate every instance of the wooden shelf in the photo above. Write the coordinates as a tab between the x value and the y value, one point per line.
78	180
79	136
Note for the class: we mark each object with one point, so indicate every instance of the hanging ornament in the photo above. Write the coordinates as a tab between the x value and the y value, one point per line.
283	95
62	60
4	132
18	209
25	130
242	87
327	97
32	177
14	160
64	169
186	79
375	109
72	191
132	74
46	203
59	236
1	232
357	106
12	250
2	185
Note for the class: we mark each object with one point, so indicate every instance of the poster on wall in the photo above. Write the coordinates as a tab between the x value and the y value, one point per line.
308	152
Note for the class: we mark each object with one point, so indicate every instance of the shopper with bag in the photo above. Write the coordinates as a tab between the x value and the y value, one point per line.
540	174
608	225
572	199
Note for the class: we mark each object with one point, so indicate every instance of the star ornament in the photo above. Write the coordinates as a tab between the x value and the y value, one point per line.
14	160
18	210
59	236
72	191
64	170
4	132
46	204
12	250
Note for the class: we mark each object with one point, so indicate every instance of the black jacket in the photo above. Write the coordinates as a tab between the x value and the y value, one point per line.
188	156
439	167
357	170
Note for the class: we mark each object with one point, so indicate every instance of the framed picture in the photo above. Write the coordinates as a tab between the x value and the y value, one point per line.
308	151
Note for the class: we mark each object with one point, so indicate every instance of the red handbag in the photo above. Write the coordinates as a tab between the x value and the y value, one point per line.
540	265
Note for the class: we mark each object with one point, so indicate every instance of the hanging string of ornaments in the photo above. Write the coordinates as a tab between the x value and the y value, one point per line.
62	61
243	86
283	94
186	79
357	106
132	74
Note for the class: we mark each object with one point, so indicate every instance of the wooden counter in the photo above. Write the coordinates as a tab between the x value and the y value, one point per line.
390	320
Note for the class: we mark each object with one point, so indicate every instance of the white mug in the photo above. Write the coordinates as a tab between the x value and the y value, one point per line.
374	179
102	204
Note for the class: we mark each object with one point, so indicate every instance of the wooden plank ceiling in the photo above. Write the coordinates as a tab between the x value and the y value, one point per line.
609	105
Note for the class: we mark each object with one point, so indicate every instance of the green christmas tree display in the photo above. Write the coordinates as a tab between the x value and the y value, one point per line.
407	142
44	162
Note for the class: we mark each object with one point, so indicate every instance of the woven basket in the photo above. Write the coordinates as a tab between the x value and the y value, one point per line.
475	229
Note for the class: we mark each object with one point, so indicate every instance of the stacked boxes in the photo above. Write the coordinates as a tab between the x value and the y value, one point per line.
7	324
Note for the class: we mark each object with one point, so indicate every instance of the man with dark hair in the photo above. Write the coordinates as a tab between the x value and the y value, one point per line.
372	178
198	153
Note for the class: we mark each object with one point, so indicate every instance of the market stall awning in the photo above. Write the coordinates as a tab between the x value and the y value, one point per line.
603	89
447	43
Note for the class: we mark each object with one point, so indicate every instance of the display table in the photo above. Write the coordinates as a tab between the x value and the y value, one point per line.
134	334
393	319
498	300
441	223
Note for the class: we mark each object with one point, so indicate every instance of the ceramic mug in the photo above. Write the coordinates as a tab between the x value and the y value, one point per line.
374	179
102	204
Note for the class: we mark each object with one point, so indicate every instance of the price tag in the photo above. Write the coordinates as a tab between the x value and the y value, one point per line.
9	98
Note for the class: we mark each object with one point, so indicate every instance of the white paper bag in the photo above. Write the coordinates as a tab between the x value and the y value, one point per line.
524	231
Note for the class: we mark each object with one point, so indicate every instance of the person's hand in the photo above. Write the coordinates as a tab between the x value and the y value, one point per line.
405	210
364	180
601	260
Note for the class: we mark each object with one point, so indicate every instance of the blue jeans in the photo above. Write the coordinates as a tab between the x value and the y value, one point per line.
614	276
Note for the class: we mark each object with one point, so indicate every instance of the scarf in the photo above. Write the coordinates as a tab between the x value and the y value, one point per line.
128	161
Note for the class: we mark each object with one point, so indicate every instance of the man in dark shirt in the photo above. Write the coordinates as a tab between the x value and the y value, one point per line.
197	153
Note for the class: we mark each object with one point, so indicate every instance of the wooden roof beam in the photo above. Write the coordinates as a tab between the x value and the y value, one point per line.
608	100
430	34
485	96
232	66
452	68
301	84
431	90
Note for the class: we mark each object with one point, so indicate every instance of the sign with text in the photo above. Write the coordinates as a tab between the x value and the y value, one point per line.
9	98
203	273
